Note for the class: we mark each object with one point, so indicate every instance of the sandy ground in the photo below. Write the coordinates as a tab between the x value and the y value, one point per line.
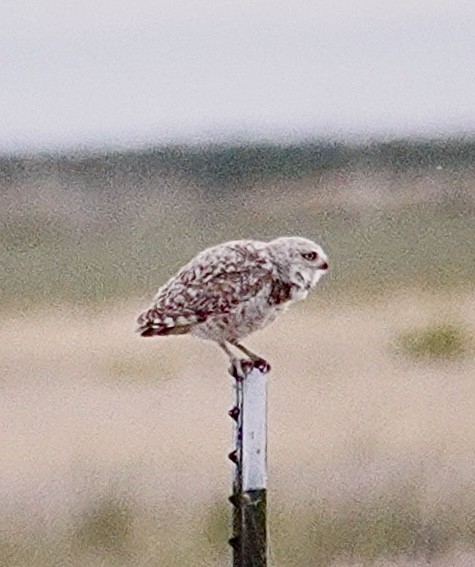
88	409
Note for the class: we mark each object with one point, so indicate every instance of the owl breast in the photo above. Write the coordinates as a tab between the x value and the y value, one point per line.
244	319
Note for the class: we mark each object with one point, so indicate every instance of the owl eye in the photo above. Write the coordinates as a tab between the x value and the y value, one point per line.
310	256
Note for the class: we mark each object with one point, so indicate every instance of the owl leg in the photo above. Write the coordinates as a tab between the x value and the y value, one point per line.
239	368
257	361
226	349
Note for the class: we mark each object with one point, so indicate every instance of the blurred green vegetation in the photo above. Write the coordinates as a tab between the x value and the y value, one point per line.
106	528
115	532
91	228
416	247
389	526
231	164
437	341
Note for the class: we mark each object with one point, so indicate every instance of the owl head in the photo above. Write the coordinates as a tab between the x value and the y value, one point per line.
299	261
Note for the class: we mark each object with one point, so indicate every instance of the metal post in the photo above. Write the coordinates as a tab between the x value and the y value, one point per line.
236	457
249	496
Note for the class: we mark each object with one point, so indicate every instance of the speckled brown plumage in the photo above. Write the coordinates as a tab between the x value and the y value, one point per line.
233	289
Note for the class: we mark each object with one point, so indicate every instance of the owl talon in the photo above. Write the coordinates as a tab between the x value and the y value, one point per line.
240	368
247	366
262	365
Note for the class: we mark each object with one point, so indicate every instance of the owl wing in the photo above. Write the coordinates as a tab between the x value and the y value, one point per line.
210	285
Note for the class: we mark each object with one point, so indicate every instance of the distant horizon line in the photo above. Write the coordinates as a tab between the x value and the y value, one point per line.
96	148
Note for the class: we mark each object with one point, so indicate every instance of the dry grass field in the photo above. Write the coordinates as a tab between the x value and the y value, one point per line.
114	447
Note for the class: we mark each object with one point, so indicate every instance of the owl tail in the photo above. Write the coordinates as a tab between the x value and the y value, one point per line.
156	323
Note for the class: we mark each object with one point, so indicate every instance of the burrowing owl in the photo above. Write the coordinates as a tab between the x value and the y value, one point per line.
233	289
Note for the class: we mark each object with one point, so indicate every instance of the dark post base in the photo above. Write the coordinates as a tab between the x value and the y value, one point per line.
254	504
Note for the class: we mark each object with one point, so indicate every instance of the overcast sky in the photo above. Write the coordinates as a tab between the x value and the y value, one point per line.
128	72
